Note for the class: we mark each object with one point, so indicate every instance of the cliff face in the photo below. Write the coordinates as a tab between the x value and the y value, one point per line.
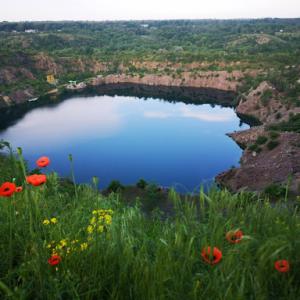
258	170
220	80
20	78
265	104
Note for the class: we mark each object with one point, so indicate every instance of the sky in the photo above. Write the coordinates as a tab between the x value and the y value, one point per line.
100	10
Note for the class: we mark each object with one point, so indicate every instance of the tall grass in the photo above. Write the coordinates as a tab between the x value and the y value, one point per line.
142	257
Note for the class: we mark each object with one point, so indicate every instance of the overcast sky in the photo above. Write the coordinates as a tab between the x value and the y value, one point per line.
16	10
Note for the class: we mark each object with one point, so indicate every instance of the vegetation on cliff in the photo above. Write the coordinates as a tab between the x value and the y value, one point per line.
72	242
78	50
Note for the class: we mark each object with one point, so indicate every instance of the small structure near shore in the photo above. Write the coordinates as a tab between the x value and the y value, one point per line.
73	85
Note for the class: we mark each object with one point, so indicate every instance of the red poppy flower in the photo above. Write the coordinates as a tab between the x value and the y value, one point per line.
54	260
282	266
36	179
211	258
234	237
43	162
19	189
7	189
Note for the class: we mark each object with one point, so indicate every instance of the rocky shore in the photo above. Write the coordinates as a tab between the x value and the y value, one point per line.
275	161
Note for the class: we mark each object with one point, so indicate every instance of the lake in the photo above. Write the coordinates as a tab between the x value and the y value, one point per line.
128	138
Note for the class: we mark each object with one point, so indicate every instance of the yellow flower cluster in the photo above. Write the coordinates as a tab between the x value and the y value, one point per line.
65	246
51	221
101	219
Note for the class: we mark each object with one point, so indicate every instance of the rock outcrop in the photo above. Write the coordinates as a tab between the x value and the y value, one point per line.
265	104
246	137
259	170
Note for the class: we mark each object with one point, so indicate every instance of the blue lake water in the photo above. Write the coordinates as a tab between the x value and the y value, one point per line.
128	138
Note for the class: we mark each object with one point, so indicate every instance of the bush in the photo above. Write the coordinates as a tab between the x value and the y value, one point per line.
255	148
274	135
115	186
275	190
261	140
272	144
142	184
265	97
293	124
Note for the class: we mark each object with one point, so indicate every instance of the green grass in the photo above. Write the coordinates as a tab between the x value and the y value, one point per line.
145	257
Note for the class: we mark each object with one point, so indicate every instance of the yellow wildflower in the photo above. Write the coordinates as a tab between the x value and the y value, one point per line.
100	228
83	246
93	220
53	220
46	222
108	219
63	243
90	229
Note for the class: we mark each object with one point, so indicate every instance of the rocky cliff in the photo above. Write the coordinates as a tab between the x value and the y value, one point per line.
270	166
266	104
269	162
220	80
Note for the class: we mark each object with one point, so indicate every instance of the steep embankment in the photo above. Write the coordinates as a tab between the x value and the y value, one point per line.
220	80
25	77
268	157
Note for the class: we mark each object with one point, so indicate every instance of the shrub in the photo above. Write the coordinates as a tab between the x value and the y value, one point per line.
142	184
275	190
261	140
293	124
274	135
272	144
115	186
253	147
265	97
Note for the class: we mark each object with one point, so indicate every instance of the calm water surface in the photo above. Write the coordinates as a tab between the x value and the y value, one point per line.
127	138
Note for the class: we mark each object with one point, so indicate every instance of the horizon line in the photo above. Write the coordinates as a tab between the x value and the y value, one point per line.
153	20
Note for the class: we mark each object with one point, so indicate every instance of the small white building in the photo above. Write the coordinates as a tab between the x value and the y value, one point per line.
73	85
31	30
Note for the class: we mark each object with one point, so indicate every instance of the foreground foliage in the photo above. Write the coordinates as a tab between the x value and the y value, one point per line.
62	244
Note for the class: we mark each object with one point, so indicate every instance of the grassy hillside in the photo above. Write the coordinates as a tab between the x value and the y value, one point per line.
78	50
71	242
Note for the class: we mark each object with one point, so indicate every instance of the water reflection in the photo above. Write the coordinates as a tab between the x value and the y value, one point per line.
209	115
66	122
203	113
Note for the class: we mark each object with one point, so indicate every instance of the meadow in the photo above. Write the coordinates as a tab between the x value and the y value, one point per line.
69	241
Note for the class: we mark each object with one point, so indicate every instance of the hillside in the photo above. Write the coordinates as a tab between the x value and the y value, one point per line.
66	240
